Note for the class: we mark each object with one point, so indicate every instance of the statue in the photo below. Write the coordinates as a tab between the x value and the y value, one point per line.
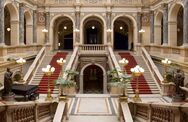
7	82
178	79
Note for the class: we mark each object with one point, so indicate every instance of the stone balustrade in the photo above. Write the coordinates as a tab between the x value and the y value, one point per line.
26	111
181	52
93	49
159	112
153	68
34	65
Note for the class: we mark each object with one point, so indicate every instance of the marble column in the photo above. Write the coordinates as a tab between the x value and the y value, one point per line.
47	25
165	24
2	30
34	26
77	24
185	24
139	26
21	24
152	27
109	31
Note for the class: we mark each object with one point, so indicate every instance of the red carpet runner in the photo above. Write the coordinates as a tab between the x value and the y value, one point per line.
143	85
43	85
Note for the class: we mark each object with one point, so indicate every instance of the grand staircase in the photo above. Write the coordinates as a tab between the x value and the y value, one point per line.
147	85
41	79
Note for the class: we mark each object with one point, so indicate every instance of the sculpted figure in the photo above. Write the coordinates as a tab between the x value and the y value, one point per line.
7	82
179	80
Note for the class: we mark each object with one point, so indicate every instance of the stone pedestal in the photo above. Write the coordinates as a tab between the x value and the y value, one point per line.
168	89
8	97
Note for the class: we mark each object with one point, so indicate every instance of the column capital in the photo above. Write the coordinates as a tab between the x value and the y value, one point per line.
164	6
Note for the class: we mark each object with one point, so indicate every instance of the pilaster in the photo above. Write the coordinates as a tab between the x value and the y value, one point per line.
21	24
165	24
34	26
2	31
152	27
139	25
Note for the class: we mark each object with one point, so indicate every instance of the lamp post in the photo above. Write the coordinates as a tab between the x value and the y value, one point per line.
45	31
166	62
123	62
48	71
137	72
61	62
21	61
141	31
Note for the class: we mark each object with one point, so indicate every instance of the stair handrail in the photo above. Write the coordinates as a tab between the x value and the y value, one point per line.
34	65
61	112
71	62
114	60
61	108
125	114
152	66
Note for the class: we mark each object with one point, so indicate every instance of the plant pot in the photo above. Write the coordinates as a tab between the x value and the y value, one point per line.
116	90
69	90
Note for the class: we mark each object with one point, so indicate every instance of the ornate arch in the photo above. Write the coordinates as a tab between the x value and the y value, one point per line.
104	77
52	23
173	24
90	16
133	20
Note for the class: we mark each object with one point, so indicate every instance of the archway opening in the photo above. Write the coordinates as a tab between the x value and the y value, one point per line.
7	26
180	27
63	31
93	31
159	28
123	34
93	79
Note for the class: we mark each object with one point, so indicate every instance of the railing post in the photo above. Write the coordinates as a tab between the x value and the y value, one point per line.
36	112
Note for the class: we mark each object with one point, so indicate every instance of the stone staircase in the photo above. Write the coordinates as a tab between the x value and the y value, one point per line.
147	76
39	75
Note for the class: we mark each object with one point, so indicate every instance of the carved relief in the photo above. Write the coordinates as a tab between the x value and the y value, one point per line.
41	18
146	19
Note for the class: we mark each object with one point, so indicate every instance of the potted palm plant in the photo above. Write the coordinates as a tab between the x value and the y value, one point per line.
118	84
67	85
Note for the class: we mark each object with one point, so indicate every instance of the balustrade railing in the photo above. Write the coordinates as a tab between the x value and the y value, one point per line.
153	68
160	112
27	111
168	51
34	65
92	48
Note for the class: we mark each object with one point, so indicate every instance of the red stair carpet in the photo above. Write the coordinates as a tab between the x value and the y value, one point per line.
43	85
142	83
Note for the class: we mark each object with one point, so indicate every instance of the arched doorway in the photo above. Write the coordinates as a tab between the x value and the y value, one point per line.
123	34
176	25
180	27
28	28
93	79
159	28
93	31
7	26
63	34
11	24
